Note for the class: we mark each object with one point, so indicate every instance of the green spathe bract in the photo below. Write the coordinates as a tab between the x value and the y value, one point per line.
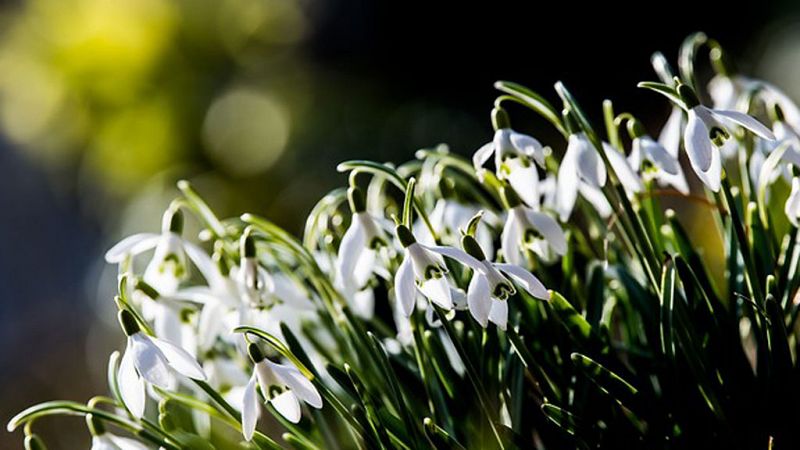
638	339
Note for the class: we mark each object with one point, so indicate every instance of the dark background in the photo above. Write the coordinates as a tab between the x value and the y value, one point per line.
390	77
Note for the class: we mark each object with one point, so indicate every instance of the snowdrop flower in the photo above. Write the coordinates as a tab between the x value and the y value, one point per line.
624	170
527	229
103	440
255	283
168	315
513	153
581	163
152	360
421	270
489	288
168	267
358	252
706	130
282	385
645	150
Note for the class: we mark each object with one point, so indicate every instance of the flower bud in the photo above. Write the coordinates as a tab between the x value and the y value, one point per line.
355	197
688	96
256	355
96	427
247	245
472	247
404	235
172	221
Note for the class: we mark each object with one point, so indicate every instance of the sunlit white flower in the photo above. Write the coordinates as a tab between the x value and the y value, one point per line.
792	207
357	258
514	154
581	163
489	288
665	167
625	171
152	360
421	269
108	441
449	216
706	130
526	229
168	267
283	386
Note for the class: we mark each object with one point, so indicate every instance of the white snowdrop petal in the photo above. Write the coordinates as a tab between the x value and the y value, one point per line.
524	278
482	155
250	409
132	245
550	229
131	385
567	184
510	240
660	157
437	290
201	260
590	166
525	181
596	198
627	175
478	299
404	288
103	442
698	144
498	314
150	362
287	405
454	253
302	387
529	146
353	243
712	177
180	360
746	121
670	136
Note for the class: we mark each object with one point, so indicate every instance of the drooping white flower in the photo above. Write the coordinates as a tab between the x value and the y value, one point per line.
420	269
706	130
514	154
666	168
526	229
152	360
168	266
581	163
283	386
489	288
357	257
625	171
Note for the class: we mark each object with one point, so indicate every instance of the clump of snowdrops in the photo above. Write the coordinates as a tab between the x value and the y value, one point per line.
538	295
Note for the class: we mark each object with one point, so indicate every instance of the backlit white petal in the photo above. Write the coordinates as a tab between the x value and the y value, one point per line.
567	184
670	136
454	253
660	157
437	290
478	299
529	146
131	245
524	278
126	443
550	229
303	388
180	360
698	144
712	177
498	314
746	121
250	410
524	180
131	385
482	155
627	175
353	243
404	288
590	166
201	260
287	405
511	239
150	362
595	197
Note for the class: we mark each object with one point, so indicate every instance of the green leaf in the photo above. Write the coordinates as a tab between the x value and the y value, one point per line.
667	302
576	324
438	437
609	382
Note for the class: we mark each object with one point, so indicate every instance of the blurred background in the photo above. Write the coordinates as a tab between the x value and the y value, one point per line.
104	104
